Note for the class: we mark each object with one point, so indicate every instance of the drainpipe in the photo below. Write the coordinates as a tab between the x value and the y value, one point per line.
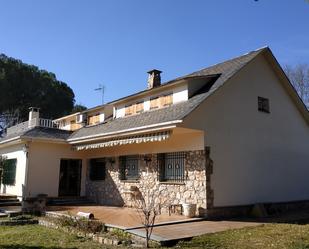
25	187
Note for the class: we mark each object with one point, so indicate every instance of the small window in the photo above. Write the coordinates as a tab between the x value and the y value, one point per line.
97	169
93	120
166	100
154	103
9	172
128	168
129	110
263	105
171	166
139	107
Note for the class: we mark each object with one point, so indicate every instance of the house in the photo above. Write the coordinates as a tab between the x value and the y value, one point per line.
223	138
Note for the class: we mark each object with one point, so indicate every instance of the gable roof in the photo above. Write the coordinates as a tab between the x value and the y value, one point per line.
219	73
223	71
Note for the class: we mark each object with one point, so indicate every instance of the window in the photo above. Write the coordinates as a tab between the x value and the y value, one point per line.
93	120
139	107
263	105
128	167
129	110
166	100
171	166
97	169
9	172
154	103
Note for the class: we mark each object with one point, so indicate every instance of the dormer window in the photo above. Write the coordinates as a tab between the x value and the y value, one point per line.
129	110
154	103
93	120
167	100
139	107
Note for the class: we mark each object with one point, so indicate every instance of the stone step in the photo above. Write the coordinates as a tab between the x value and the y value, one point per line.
6	197
68	201
10	203
9	200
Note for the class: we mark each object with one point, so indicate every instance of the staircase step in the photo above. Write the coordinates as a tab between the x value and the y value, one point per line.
9	200
69	201
5	197
10	203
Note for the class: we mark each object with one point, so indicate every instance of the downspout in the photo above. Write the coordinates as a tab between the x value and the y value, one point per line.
25	187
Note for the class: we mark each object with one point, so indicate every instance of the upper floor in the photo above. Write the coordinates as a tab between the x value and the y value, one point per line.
156	96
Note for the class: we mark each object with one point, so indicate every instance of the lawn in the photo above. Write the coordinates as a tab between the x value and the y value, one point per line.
35	236
274	236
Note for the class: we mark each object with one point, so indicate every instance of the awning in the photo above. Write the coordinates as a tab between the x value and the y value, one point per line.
144	138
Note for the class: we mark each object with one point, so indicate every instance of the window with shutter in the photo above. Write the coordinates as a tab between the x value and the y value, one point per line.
154	103
139	107
9	172
166	100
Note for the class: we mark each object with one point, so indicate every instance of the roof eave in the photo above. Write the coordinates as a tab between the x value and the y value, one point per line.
131	131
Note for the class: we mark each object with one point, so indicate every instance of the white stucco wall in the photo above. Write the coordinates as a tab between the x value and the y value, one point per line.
258	157
15	152
44	167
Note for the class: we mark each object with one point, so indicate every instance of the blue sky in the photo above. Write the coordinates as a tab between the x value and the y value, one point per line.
91	42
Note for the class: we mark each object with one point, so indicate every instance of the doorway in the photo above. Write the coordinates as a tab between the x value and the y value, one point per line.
70	177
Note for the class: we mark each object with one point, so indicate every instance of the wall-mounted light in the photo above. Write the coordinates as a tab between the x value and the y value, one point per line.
25	148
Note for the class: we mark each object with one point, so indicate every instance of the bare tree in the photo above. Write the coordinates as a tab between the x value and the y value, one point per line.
299	77
148	201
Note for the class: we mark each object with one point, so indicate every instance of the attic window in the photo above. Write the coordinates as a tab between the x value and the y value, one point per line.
167	100
129	110
154	103
139	107
263	105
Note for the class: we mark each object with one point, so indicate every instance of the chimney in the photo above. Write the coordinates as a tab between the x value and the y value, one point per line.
154	78
34	112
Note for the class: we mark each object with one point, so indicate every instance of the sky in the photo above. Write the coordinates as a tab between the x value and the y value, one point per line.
115	42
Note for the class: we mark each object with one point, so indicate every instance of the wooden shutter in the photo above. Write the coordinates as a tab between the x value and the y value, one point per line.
166	100
139	107
154	103
129	110
9	172
92	120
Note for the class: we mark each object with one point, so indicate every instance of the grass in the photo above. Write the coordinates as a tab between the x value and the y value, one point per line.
35	236
274	236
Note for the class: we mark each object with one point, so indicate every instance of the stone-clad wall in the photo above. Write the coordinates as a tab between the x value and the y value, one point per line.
115	192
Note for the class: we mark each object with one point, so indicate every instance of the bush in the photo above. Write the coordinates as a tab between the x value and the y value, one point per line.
81	224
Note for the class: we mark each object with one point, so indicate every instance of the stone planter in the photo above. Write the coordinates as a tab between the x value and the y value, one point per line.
189	210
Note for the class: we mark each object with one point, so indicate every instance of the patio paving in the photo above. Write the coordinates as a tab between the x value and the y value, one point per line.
181	231
123	217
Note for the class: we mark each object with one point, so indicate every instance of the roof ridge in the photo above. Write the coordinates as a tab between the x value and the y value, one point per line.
257	51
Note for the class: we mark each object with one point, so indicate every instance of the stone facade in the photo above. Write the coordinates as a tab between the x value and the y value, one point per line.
115	192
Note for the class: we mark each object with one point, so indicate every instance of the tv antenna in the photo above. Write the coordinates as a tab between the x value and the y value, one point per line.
101	88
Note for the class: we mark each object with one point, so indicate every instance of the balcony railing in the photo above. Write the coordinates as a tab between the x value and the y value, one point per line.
36	122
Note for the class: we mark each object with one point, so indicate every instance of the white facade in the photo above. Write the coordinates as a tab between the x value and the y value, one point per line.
258	157
16	152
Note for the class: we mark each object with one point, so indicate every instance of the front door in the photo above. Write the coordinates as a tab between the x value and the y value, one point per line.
70	177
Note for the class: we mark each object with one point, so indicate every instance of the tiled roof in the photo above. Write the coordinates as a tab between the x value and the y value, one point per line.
40	132
225	70
171	113
175	112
